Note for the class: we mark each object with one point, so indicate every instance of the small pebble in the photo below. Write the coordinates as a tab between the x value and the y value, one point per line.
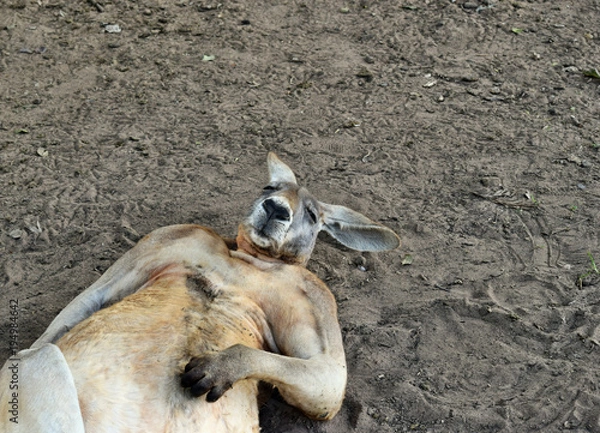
361	263
366	74
572	69
112	28
16	234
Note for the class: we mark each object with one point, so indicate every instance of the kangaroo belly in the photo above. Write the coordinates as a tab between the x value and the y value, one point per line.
126	359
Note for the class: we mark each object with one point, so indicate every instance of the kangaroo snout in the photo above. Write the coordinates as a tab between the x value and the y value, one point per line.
276	210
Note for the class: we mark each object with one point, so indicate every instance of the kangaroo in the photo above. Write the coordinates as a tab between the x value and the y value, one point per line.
177	333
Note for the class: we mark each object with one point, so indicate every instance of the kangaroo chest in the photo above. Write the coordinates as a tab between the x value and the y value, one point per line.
126	359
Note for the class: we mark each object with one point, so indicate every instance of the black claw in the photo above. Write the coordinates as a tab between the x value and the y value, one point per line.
186	381
201	387
217	392
197	391
213	395
191	377
192	364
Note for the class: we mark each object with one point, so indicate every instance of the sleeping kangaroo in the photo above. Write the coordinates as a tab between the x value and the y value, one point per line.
186	314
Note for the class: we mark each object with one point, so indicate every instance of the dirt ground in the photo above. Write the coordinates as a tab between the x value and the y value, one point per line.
471	128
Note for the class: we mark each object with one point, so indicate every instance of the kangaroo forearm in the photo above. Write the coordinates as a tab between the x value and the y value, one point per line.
319	391
315	386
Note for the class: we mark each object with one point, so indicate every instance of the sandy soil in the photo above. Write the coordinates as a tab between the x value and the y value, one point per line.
469	127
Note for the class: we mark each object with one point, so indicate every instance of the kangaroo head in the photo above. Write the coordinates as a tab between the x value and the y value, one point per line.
285	220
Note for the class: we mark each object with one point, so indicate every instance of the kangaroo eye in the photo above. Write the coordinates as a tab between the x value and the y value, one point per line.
311	215
269	188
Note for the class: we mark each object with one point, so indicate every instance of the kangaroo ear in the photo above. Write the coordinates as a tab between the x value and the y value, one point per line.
278	171
356	231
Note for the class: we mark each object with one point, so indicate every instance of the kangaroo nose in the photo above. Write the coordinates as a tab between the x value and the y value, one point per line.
275	210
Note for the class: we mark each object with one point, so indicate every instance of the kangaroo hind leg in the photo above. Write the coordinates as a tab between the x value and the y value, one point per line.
38	389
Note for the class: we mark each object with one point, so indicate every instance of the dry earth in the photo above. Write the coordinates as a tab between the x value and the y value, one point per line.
470	128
